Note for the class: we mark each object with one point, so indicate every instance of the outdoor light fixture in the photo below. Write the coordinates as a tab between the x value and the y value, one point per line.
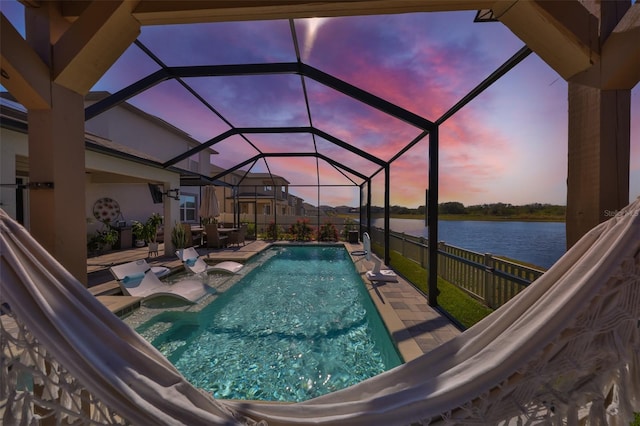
156	193
176	193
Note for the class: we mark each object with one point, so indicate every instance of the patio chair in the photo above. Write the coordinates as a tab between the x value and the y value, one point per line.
238	236
137	279
214	239
194	263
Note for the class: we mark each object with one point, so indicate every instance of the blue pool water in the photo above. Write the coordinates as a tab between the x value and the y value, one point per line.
299	326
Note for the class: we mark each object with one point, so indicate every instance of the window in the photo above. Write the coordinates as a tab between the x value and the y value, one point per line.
266	209
188	205
267	188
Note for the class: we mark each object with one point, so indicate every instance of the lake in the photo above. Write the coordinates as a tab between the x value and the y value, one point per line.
539	243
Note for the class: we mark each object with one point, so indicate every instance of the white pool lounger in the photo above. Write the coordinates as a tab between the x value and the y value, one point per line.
194	263
137	279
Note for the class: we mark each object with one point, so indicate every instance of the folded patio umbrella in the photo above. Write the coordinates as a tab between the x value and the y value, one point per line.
209	206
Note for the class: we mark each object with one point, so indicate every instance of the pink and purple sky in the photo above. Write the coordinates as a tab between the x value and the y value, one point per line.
507	145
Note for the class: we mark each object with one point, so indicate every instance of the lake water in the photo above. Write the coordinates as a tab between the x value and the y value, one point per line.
539	243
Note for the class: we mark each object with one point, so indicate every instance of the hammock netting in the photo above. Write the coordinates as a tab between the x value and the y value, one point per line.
566	350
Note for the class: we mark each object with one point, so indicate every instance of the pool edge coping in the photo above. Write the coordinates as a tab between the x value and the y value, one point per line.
405	344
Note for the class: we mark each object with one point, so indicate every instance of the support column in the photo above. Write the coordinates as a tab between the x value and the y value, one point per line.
56	155
598	168
599	134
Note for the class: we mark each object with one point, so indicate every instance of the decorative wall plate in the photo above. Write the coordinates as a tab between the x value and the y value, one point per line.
106	210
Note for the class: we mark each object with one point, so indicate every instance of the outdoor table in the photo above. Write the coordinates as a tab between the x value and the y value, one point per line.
227	230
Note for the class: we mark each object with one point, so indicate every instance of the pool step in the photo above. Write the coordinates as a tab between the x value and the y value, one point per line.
110	288
120	305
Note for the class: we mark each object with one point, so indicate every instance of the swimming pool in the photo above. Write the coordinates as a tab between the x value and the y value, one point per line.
298	326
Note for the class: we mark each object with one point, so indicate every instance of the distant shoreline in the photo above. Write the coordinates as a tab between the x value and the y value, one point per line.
531	218
485	218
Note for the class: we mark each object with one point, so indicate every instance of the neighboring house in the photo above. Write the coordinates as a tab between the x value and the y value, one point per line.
257	197
124	150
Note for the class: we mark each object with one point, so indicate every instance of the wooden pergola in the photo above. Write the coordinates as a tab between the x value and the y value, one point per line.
594	45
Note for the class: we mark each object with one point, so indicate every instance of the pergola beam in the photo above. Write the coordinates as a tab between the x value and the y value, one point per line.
620	65
23	73
188	12
92	43
563	33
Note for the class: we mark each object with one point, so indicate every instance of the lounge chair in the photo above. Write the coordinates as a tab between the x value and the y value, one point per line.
194	263
137	279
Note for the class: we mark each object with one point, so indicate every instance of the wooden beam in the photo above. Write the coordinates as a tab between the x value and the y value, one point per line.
621	52
93	43
620	64
563	33
598	157
23	72
150	12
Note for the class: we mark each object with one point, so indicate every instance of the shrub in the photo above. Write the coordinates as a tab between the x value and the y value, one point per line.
251	230
272	231
301	230
328	232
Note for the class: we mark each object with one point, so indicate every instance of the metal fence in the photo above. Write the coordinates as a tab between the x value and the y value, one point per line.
490	279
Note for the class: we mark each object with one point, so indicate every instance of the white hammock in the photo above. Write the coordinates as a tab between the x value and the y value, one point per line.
564	351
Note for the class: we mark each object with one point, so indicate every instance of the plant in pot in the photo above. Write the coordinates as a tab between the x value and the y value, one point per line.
152	224
147	232
103	239
179	237
139	233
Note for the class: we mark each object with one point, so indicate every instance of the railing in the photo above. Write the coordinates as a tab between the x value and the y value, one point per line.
485	277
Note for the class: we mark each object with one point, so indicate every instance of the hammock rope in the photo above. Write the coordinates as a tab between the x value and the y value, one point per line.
566	350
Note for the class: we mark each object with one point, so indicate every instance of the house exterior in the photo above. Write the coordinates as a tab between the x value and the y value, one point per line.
259	198
125	147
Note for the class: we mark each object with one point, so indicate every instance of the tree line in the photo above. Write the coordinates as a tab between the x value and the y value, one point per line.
492	210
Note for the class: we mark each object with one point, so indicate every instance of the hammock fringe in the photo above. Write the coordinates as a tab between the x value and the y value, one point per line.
565	351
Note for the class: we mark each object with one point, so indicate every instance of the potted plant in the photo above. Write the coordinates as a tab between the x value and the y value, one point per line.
147	232
179	236
139	233
152	224
103	240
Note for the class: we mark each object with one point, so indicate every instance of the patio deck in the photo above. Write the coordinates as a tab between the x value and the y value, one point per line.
415	326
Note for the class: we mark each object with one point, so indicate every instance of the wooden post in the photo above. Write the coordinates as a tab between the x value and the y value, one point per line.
488	280
599	149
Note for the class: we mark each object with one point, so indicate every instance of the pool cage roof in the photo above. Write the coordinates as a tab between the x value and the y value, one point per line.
270	97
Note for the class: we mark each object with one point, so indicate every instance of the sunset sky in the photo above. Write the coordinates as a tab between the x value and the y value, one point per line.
508	145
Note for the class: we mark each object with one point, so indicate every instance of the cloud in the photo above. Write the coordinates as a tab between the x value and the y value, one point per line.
221	43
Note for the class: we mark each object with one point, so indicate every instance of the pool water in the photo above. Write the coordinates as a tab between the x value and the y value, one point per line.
299	326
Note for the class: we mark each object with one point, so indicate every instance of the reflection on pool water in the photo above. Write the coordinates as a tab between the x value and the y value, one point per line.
299	325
